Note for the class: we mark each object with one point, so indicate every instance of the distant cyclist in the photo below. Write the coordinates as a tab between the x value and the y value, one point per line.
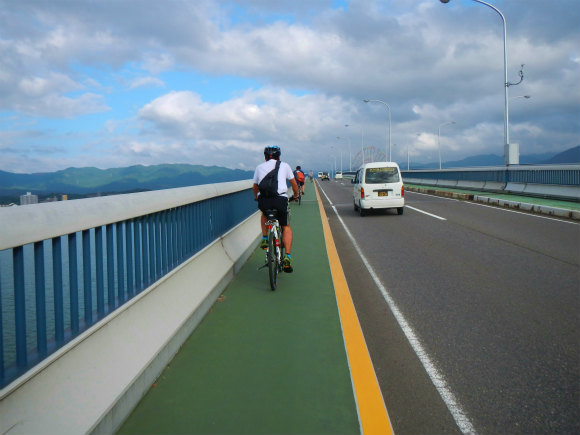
300	178
277	200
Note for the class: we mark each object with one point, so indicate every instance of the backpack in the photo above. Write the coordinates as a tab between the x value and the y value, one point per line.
269	185
299	176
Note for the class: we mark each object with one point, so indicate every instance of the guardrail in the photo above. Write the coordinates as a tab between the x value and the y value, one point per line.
65	266
556	181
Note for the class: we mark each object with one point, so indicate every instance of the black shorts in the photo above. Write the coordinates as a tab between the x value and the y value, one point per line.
279	203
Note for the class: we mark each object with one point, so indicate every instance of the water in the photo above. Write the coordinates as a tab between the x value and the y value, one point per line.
7	293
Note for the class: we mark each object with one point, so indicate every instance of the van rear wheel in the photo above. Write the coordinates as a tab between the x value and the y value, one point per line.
354	205
361	211
400	210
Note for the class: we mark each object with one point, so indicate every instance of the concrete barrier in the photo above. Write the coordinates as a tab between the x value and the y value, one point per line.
447	183
93	383
472	185
494	186
536	208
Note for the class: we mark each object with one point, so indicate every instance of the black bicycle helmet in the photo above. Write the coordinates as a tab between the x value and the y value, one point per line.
272	152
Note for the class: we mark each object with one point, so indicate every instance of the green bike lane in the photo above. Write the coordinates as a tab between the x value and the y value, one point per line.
263	361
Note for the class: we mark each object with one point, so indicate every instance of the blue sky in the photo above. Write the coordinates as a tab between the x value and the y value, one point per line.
114	83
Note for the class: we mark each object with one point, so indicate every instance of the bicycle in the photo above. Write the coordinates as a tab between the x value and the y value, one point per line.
275	249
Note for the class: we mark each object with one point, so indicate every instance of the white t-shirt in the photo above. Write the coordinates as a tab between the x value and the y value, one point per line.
284	173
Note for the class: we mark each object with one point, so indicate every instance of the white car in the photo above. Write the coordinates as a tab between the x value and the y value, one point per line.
378	185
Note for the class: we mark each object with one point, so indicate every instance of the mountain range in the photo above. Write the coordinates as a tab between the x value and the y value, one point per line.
80	182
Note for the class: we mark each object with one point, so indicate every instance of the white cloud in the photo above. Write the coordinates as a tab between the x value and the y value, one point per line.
146	81
311	66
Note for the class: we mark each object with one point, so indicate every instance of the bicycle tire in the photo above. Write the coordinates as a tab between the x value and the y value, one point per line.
299	198
272	261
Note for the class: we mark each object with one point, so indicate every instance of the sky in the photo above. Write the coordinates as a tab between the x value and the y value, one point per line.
115	83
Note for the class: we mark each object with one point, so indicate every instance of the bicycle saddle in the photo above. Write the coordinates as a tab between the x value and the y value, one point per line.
271	214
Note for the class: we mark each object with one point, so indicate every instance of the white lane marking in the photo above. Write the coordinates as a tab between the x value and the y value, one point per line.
435	196
327	198
460	417
531	214
424	212
407	206
499	208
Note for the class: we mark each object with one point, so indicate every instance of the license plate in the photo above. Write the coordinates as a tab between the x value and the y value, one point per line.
382	193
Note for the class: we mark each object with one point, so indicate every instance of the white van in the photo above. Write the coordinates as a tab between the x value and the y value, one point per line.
378	185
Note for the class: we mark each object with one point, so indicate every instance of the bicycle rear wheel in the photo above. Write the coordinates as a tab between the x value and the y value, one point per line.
272	260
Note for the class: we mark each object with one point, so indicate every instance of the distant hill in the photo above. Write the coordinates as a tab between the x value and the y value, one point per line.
84	181
570	156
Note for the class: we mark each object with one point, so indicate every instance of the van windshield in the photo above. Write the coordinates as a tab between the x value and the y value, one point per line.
382	175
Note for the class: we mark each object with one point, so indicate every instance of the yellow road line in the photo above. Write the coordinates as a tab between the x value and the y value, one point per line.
374	418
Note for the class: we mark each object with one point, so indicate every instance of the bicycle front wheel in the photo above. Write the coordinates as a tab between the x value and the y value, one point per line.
272	260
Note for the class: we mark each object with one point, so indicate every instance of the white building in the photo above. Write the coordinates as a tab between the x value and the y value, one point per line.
28	199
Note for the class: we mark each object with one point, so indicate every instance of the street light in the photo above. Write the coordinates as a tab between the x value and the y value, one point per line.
507	154
389	110
349	156
334	156
439	140
362	142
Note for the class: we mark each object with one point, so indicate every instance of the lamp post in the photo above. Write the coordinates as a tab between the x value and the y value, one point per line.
527	97
349	155
439	140
333	168
389	110
362	142
507	154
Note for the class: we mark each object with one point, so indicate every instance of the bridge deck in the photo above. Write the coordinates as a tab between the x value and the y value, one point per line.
263	361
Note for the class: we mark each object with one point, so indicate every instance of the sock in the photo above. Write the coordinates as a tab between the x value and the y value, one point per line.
288	255
264	237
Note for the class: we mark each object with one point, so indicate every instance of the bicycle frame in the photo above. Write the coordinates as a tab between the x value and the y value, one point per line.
274	252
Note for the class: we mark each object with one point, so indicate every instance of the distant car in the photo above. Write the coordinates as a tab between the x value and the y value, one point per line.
338	175
323	176
348	174
378	185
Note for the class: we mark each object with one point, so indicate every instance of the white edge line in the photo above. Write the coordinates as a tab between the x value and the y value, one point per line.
460	417
531	214
497	207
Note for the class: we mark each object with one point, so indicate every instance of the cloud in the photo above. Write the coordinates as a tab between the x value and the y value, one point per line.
131	64
146	81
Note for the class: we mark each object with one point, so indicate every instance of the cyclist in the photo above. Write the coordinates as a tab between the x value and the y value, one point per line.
279	202
300	177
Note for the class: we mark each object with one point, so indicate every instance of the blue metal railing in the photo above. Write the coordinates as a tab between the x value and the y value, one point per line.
53	290
562	175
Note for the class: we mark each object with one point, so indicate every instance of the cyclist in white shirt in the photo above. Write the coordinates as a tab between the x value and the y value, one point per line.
278	202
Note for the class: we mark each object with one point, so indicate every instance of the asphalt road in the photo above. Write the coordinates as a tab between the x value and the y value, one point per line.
472	317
